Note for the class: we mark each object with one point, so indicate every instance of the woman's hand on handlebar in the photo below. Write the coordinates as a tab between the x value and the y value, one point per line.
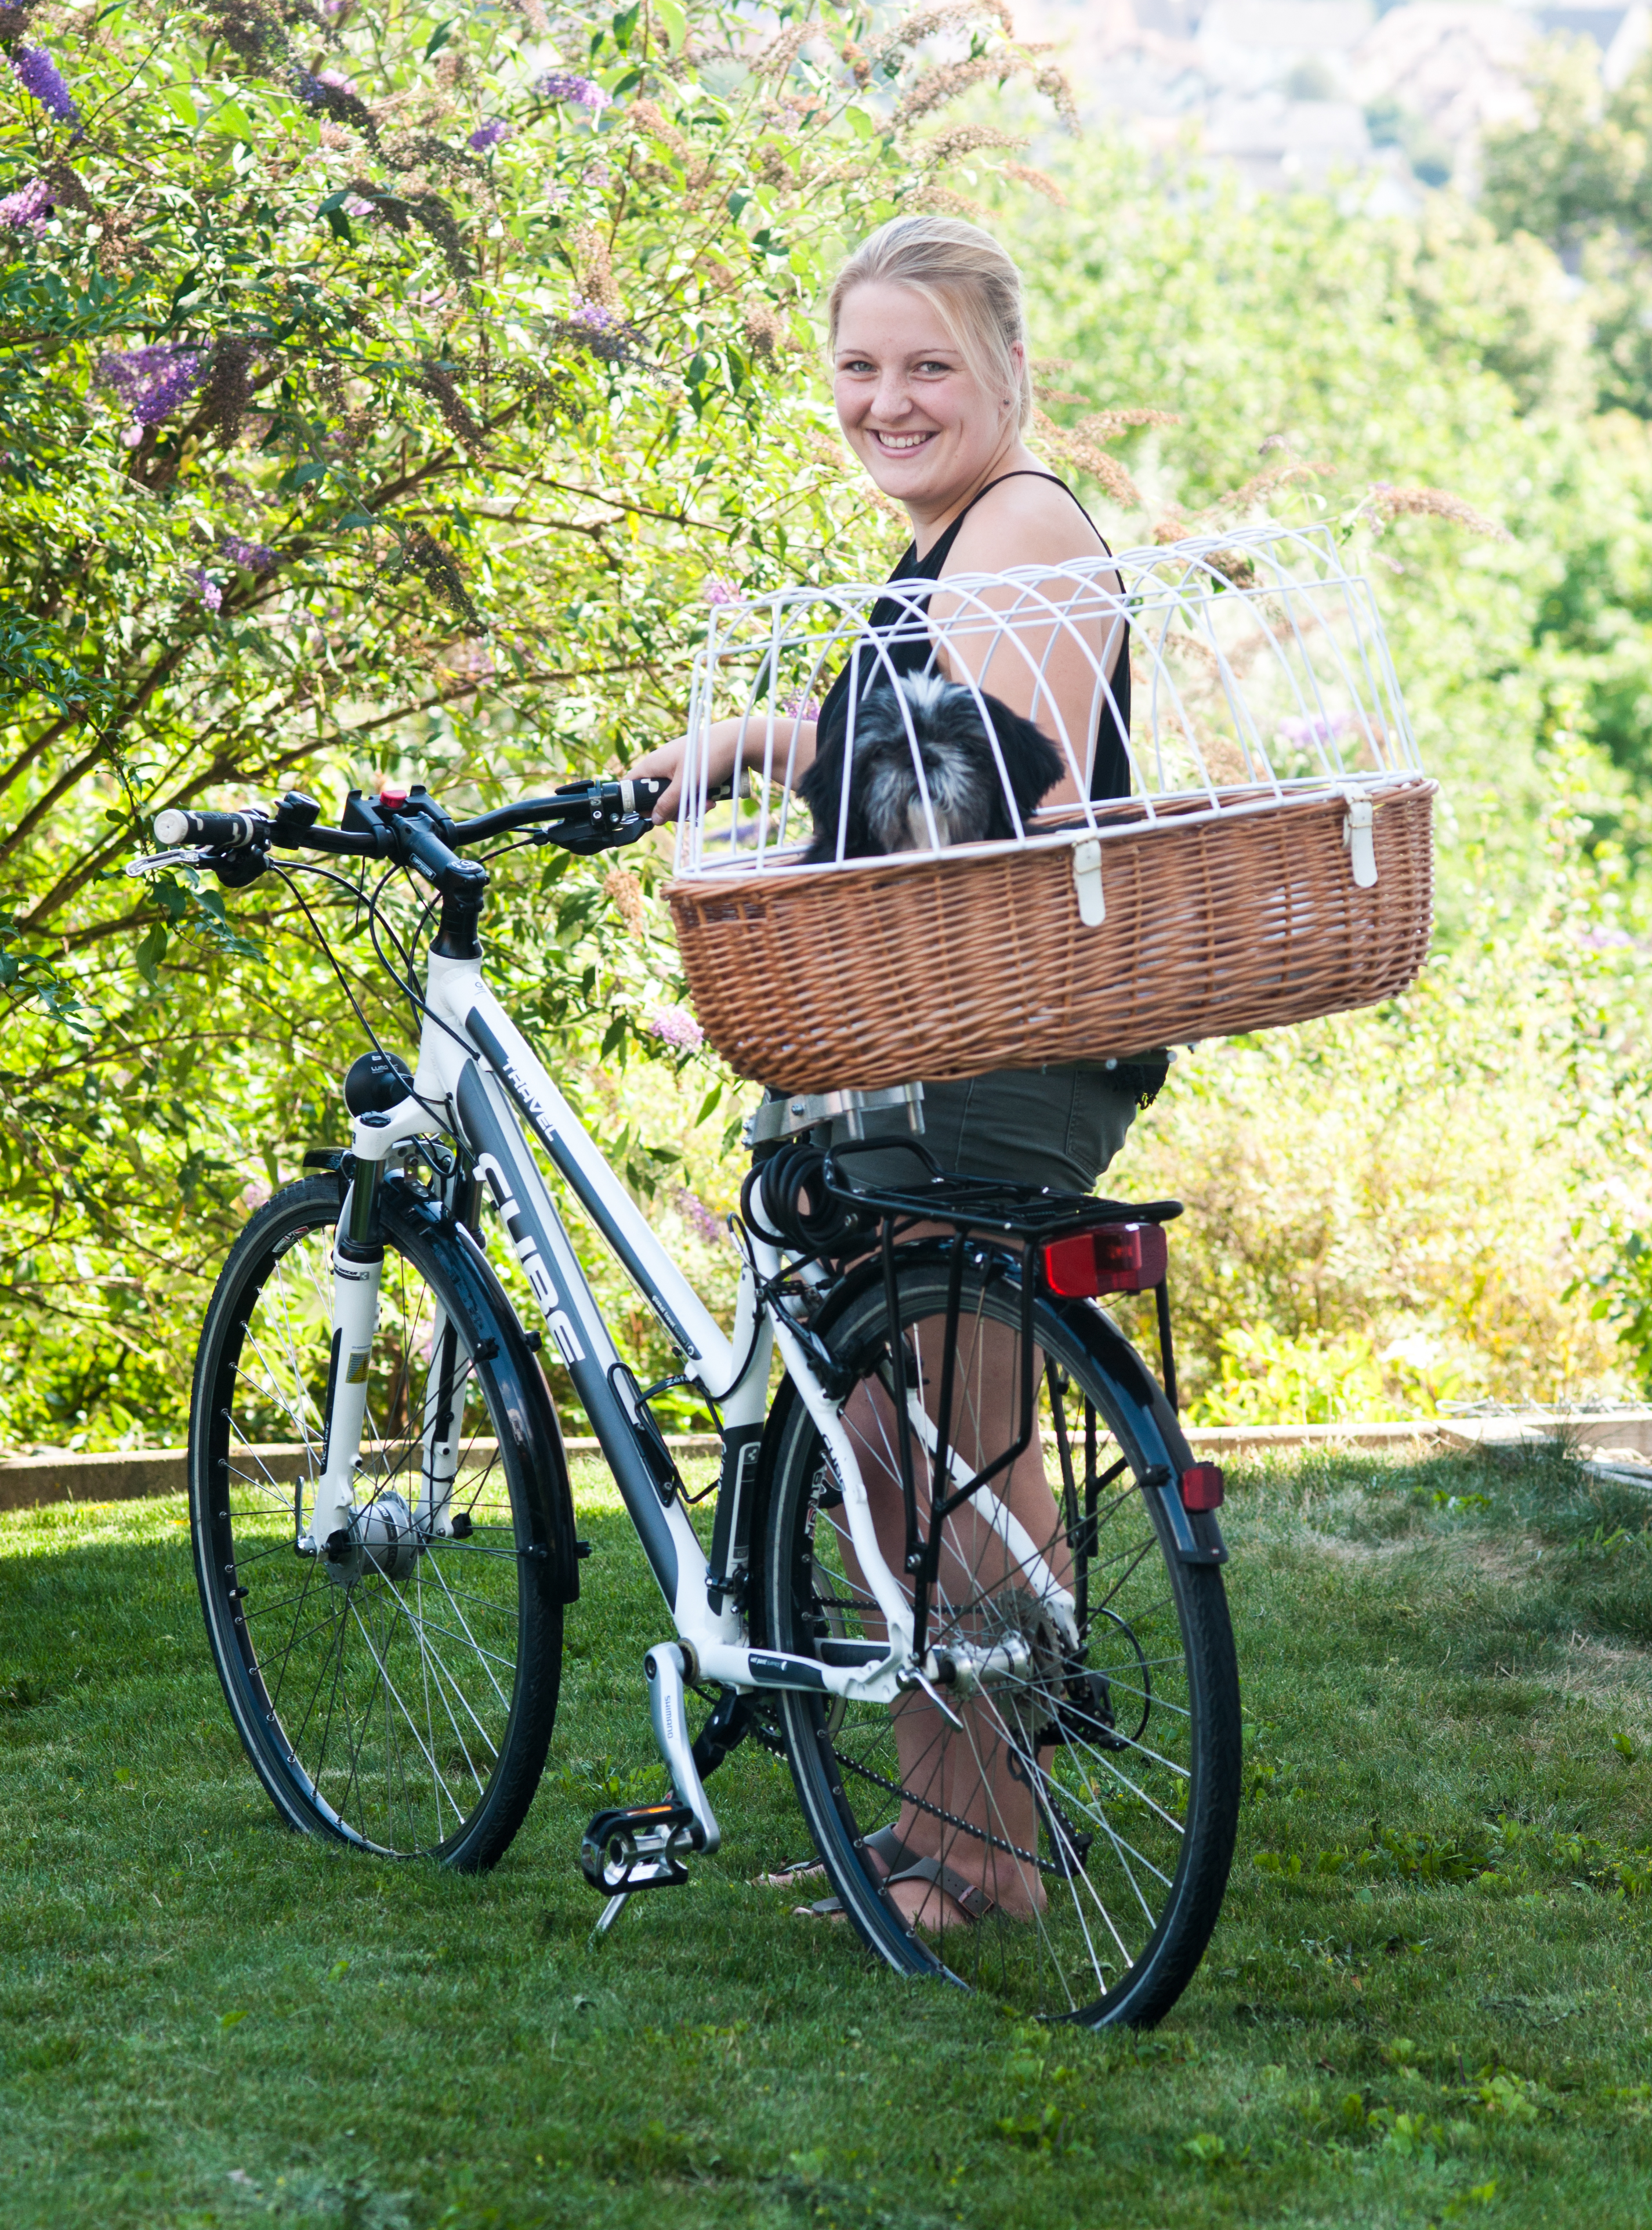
732	742
669	760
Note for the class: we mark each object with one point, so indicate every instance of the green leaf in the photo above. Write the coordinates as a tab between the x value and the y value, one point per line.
438	39
233	2020
150	954
339	225
177	99
624	24
673	21
234	122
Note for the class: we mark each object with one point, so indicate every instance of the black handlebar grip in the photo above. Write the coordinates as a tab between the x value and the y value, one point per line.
226	832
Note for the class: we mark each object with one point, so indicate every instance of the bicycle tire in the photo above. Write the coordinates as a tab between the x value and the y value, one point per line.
399	1698
1161	1639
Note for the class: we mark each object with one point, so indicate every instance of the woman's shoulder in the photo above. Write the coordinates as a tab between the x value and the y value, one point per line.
1029	518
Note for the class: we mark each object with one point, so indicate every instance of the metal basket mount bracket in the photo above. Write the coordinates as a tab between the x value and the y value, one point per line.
784	1116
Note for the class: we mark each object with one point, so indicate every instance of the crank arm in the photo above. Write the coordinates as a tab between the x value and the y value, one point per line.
665	1666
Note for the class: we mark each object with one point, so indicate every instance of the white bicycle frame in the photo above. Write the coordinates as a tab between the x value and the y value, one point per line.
477	1067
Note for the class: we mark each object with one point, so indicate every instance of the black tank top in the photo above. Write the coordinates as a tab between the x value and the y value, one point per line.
911	654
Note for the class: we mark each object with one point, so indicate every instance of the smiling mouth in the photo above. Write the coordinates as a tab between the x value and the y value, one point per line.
901	445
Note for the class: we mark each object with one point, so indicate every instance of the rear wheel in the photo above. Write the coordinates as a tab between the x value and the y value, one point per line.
401	1696
1066	1829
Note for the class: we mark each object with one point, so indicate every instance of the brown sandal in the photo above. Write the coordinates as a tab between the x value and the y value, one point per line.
905	1865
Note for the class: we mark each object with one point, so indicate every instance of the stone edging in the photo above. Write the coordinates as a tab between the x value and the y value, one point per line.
127	1476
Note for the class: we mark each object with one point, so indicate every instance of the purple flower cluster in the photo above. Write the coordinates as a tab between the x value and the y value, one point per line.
595	316
579	91
152	382
799	707
489	133
354	205
206	588
1319	729
675	1025
38	74
719	591
705	1222
28	206
251	557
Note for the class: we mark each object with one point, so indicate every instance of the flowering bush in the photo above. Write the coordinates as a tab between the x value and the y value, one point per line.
377	398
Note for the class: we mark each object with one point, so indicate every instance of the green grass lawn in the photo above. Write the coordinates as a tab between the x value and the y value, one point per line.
1428	1999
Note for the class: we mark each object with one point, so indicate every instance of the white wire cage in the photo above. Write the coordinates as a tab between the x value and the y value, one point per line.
1237	832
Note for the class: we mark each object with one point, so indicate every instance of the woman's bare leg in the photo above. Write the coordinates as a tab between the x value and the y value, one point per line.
980	1775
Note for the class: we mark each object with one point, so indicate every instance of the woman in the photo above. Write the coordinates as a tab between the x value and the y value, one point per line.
934	393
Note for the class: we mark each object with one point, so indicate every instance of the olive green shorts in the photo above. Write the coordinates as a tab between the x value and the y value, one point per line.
1056	1126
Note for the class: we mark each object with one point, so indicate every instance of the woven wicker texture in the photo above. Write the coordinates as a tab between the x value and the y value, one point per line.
946	965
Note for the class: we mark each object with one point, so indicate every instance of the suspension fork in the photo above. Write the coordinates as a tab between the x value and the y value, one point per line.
357	1272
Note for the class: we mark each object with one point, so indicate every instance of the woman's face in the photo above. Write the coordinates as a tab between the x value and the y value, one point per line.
913	411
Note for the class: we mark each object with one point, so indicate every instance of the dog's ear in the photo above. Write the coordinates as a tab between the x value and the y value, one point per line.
819	791
1033	764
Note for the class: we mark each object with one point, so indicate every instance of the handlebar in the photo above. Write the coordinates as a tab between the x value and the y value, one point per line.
411	827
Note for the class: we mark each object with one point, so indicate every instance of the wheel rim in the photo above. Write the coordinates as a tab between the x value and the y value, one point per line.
1078	1842
374	1689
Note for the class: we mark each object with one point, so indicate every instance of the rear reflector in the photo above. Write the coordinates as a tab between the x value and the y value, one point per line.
1201	1486
1116	1258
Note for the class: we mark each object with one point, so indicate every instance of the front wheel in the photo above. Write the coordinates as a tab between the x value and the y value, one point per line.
399	1697
1057	1826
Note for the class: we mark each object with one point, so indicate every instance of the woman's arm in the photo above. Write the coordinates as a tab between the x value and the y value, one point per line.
734	743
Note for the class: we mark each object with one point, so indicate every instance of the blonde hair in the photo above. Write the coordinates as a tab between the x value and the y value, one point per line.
969	282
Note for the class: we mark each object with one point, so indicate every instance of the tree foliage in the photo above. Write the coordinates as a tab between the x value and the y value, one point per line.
1579	177
383	389
386	392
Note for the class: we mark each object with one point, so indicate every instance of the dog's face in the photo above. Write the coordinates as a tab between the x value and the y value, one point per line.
947	740
925	720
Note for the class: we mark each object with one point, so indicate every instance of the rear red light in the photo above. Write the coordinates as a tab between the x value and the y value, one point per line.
1115	1258
1201	1486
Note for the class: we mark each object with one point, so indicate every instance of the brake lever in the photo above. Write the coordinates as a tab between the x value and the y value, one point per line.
589	841
181	855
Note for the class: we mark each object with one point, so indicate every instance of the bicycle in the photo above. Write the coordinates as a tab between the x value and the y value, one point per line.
1017	1756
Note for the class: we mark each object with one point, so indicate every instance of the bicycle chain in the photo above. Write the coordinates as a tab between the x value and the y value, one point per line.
964	1827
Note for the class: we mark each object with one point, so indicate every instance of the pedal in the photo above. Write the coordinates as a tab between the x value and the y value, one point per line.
642	1847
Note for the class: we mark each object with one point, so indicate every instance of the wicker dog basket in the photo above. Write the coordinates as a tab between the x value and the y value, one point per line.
1194	908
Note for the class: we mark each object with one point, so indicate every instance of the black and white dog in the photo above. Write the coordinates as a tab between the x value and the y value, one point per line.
885	812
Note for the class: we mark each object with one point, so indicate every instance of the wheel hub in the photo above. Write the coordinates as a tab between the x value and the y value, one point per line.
382	1539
